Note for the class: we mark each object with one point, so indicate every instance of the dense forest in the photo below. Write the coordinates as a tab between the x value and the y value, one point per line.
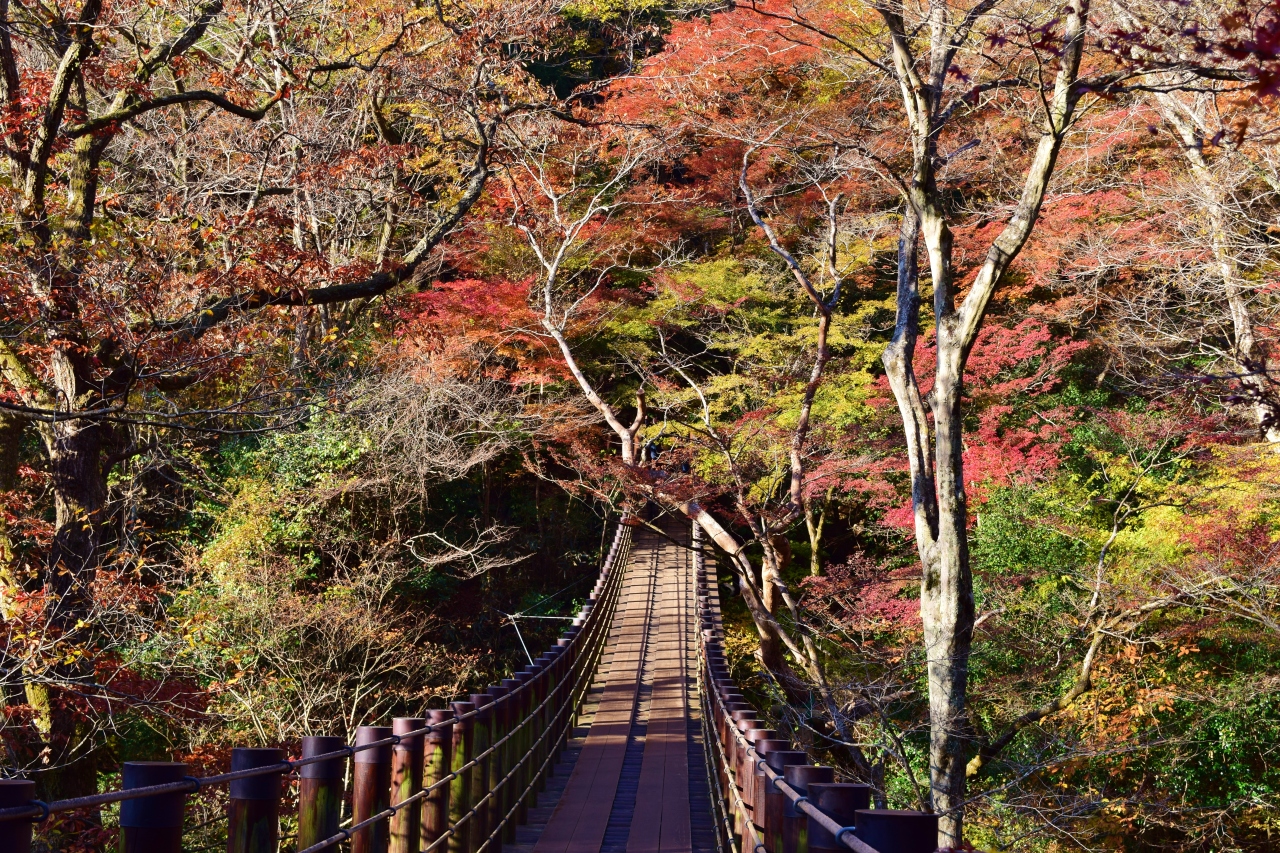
335	336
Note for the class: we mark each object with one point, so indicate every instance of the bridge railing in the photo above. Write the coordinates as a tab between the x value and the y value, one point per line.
459	780
770	797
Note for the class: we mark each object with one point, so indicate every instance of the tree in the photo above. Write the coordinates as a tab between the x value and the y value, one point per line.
582	208
181	177
1216	109
1226	217
942	78
935	450
563	200
305	613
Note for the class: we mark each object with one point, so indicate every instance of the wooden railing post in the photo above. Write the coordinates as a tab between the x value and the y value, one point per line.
564	695
578	659
437	762
737	754
320	792
759	794
727	729
545	689
480	780
743	721
747	781
371	789
253	812
460	788
541	685
736	757
538	693
716	703
840	801
553	676
717	722
152	824
524	742
891	831
498	767
406	780
730	700
795	823
775	801
560	698
510	755
15	835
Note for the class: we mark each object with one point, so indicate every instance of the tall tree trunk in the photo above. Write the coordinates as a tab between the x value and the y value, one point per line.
937	477
772	573
75	453
75	448
946	608
938	503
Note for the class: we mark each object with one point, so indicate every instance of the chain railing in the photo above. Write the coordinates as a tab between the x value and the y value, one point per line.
773	799
458	781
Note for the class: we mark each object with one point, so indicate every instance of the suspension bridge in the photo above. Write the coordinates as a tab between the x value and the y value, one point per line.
627	735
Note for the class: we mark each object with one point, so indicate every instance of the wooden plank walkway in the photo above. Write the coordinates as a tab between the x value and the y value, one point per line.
632	778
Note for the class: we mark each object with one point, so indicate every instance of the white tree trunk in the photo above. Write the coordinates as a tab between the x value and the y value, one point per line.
1244	356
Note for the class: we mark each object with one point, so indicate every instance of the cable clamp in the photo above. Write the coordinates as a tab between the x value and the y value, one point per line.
841	831
44	810
196	782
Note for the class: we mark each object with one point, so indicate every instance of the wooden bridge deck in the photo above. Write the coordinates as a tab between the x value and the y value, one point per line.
633	778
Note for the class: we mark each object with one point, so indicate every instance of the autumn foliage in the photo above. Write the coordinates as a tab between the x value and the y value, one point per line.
331	334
